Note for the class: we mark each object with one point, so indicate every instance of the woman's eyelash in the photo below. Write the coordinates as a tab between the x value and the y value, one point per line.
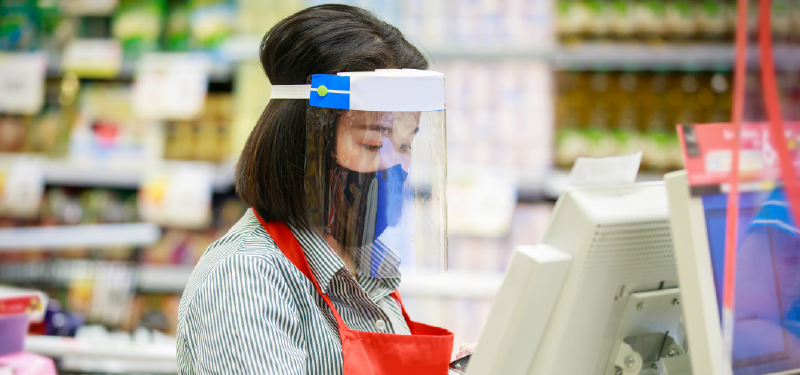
372	147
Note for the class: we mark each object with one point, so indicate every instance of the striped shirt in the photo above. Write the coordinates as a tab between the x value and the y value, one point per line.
248	310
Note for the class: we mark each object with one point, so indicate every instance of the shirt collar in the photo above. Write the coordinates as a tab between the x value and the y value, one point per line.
324	264
322	260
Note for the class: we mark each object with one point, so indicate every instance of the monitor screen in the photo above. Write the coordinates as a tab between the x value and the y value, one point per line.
767	311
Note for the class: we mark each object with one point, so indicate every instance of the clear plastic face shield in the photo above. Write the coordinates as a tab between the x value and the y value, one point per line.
376	169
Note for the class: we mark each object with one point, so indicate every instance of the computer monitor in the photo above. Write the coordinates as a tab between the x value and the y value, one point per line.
597	296
762	345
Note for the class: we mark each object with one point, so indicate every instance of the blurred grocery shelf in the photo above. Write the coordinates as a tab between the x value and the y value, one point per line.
106	356
591	56
163	278
486	53
557	181
220	71
65	172
666	56
616	55
74	236
578	56
453	284
236	49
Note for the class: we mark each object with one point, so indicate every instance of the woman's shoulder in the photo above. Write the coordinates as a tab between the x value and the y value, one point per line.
246	246
246	237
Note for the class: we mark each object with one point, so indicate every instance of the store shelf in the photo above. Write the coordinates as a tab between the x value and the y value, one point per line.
453	284
236	49
589	56
106	356
65	172
74	236
618	55
557	181
487	53
163	278
684	56
219	72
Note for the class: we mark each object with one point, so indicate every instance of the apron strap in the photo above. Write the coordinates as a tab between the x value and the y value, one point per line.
287	243
396	295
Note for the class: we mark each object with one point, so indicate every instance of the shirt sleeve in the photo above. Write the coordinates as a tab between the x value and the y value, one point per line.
243	320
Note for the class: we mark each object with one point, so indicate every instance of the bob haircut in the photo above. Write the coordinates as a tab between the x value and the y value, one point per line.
324	39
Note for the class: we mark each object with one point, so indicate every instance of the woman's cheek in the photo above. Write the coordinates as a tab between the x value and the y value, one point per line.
363	161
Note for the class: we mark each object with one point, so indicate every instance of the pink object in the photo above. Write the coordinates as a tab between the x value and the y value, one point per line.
28	364
12	330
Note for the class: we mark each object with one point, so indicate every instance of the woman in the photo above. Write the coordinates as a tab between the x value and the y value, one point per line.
305	282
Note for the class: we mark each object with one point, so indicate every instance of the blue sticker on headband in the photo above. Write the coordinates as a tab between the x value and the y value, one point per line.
330	99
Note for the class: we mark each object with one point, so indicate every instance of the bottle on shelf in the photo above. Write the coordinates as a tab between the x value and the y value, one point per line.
656	119
622	20
627	113
681	20
600	19
712	20
572	101
650	20
597	128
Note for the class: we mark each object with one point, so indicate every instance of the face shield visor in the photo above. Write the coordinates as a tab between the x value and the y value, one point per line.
376	168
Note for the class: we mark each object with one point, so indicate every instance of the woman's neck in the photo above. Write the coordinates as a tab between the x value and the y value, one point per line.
343	254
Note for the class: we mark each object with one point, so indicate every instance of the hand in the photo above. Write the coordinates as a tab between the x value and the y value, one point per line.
458	367
465	349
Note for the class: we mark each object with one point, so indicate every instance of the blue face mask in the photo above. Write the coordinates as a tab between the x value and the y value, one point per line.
389	212
390	198
364	204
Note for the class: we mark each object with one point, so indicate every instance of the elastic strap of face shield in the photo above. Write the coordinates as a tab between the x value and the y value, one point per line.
299	91
291	92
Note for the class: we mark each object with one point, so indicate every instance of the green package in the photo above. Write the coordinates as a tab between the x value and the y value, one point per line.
137	25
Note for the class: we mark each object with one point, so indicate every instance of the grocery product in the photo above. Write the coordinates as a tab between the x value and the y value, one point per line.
137	24
13	132
605	113
176	29
211	22
658	20
18	24
207	138
500	116
105	129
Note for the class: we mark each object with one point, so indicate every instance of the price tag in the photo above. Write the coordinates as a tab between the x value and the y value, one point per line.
177	195
170	86
21	188
22	82
93	58
480	203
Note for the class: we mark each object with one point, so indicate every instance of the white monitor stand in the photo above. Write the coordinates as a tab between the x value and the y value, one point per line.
598	295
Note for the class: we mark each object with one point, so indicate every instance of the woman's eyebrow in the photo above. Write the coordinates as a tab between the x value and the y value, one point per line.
375	127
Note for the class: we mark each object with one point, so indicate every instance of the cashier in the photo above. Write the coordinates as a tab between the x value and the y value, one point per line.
306	282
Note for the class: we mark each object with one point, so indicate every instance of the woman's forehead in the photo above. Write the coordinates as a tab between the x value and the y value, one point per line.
375	115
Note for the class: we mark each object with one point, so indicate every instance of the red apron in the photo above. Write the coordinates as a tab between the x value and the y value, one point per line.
426	351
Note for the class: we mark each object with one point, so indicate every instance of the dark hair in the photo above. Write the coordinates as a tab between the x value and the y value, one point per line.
324	39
